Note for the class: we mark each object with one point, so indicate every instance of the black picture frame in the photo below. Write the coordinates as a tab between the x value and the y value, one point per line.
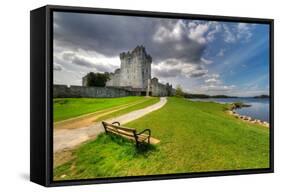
41	82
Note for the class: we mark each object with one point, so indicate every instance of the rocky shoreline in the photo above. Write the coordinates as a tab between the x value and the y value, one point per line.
247	118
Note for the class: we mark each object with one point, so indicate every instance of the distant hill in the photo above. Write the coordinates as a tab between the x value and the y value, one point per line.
262	96
203	96
223	96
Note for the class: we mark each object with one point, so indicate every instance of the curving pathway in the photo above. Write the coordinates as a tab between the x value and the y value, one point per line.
69	138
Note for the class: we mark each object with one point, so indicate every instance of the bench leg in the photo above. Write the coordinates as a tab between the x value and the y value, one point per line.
104	126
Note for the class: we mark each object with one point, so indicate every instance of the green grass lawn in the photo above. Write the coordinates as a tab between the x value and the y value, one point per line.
65	108
195	137
147	102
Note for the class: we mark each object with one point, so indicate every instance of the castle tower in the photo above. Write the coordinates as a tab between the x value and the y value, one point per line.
135	68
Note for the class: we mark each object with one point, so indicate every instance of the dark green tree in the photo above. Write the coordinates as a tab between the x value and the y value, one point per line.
179	92
97	79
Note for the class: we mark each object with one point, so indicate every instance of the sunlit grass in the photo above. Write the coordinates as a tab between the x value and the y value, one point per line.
195	137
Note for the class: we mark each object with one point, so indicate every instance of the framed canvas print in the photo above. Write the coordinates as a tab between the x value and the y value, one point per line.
121	95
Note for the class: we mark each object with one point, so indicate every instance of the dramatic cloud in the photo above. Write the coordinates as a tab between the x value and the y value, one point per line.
174	68
197	32
187	52
82	62
203	32
171	31
198	72
163	38
166	72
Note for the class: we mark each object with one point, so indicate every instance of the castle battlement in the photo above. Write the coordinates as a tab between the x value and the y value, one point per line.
139	51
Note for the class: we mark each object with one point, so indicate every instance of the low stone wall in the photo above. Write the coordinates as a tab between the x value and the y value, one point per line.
63	91
248	119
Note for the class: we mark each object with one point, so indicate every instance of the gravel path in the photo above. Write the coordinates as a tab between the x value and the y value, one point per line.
69	138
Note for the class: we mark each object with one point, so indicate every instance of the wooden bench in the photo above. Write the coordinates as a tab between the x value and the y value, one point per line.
130	133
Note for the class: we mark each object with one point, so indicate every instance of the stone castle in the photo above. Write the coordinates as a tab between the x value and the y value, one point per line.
134	75
135	70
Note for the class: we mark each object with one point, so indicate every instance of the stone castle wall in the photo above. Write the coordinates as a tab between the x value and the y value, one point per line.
160	90
114	79
135	70
62	91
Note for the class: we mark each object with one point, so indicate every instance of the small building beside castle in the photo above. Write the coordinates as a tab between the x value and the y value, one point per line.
134	75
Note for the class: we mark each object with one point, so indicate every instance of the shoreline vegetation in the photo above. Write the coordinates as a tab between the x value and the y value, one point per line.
195	136
204	96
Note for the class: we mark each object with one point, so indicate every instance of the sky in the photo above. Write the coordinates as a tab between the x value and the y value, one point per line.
207	57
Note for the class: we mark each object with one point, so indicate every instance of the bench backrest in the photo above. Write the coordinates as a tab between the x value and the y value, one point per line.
120	130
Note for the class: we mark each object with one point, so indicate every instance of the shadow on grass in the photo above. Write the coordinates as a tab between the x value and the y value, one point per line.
142	149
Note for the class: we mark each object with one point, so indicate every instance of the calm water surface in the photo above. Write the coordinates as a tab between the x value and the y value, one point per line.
259	108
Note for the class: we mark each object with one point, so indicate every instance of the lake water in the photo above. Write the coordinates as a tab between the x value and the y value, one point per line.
259	108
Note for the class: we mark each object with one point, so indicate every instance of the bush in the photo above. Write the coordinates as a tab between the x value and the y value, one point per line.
97	79
179	92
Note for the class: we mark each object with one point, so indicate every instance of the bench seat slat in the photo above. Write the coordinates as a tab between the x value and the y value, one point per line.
140	138
125	136
130	134
120	127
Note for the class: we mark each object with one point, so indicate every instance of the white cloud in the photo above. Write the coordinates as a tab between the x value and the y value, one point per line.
71	65
175	68
213	75
211	34
200	32
212	81
169	33
203	32
244	31
206	61
240	31
229	37
218	88
214	85
88	59
197	33
198	73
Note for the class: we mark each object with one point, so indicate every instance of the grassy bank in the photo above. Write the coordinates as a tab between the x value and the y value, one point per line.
65	108
195	136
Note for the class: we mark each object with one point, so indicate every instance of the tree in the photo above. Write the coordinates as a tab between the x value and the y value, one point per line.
97	79
179	92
